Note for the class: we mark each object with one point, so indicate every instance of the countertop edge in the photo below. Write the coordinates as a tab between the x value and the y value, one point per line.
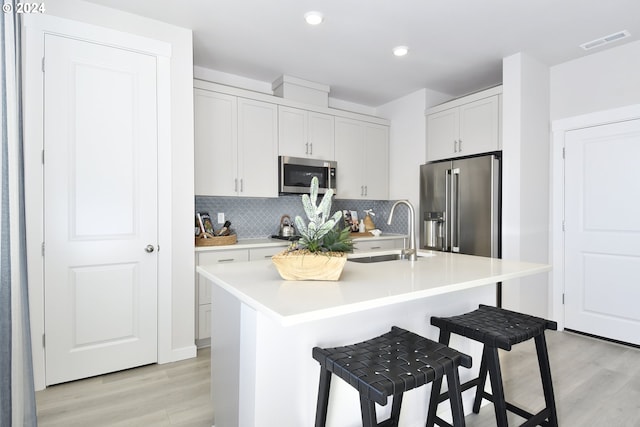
324	313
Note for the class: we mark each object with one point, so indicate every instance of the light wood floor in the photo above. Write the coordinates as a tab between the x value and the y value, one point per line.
596	384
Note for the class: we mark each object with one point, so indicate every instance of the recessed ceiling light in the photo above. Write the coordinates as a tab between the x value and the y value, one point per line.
313	18
400	50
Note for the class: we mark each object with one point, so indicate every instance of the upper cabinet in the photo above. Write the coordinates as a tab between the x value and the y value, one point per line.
465	126
236	146
307	134
362	153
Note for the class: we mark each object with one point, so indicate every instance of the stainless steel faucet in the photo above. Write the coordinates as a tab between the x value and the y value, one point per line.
410	253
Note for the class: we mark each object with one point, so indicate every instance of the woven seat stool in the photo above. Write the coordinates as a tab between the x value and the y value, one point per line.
498	328
389	365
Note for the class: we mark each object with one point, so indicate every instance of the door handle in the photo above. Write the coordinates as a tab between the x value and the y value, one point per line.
149	249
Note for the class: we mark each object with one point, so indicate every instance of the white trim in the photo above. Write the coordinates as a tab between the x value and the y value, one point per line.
259	96
560	128
35	28
93	33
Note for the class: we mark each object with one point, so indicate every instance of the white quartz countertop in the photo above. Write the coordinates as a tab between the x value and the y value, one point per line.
362	286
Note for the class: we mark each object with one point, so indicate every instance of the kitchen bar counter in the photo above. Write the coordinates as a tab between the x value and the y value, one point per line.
263	329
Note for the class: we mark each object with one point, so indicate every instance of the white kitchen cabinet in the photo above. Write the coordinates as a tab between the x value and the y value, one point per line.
306	134
362	153
203	288
236	146
463	127
216	135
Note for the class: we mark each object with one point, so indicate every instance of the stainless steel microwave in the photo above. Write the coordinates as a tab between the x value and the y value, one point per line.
295	174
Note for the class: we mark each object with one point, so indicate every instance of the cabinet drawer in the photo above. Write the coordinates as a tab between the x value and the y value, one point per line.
214	257
257	254
375	245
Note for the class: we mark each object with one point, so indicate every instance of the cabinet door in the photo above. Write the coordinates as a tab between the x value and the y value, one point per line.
216	138
349	143
442	134
321	136
376	161
479	127
257	148
292	132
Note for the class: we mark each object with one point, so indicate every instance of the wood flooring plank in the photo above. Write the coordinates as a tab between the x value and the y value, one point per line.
597	383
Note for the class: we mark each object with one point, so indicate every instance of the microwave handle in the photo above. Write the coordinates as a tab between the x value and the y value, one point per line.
329	181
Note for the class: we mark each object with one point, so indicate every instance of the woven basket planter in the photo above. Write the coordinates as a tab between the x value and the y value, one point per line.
308	266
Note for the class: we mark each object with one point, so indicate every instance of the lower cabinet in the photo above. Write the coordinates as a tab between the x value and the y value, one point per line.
203	286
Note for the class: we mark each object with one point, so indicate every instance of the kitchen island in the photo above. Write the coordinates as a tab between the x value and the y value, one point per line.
263	330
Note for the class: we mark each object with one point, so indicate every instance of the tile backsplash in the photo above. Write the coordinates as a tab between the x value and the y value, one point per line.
260	217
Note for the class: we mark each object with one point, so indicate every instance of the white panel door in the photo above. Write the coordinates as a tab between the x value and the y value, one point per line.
602	237
100	178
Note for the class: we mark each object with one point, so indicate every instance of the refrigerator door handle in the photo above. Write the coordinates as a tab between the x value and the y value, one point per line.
455	211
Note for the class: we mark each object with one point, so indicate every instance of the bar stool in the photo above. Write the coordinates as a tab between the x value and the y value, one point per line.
389	365
498	328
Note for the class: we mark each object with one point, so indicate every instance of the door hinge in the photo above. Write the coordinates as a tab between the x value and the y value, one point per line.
43	64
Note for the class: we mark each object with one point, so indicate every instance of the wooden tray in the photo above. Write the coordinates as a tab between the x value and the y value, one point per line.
217	240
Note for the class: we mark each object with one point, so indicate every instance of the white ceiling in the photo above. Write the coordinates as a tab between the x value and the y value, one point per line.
456	46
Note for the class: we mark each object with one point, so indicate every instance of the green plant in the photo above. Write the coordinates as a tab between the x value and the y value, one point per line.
321	233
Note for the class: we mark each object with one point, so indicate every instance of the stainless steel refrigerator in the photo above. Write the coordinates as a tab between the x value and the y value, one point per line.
460	204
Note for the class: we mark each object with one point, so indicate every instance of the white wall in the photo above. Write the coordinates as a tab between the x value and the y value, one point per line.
598	82
525	205
407	142
176	331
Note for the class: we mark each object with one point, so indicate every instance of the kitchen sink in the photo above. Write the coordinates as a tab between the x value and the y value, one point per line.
383	257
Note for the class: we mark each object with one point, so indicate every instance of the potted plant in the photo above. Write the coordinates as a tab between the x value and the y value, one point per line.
320	254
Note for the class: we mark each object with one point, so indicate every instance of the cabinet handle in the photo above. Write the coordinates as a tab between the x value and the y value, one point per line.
366	190
311	148
306	149
362	190
460	146
376	247
455	149
226	260
235	185
241	185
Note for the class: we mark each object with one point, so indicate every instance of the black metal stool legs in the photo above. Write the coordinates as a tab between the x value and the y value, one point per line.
495	376
454	394
323	398
547	385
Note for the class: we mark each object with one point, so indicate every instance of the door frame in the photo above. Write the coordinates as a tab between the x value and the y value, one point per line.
35	27
556	241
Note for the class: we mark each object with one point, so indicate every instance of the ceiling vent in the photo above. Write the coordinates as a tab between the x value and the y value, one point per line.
605	40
